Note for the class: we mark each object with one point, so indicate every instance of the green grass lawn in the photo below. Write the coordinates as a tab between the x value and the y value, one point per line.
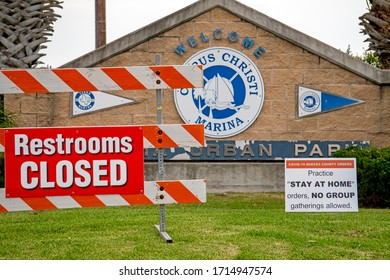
227	227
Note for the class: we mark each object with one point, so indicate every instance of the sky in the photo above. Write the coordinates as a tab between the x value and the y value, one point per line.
334	22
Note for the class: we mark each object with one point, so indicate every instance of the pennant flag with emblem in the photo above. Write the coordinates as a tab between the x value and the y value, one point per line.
86	102
312	101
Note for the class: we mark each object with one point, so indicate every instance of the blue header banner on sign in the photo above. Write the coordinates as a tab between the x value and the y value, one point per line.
230	150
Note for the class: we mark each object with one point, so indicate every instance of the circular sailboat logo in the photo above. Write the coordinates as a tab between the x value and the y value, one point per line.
84	100
232	96
309	101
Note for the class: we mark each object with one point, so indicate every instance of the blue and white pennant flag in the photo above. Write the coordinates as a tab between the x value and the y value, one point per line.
312	101
86	102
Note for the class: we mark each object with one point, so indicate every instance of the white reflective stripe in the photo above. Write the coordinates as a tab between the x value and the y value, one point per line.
147	144
193	75
112	200
166	200
13	204
63	202
147	77
197	187
151	191
99	79
49	80
7	86
180	135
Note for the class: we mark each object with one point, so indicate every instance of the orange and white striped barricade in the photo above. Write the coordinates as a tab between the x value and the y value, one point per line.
165	192
40	193
157	136
37	182
104	78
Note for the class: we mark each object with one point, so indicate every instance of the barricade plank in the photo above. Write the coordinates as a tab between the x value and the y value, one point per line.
39	203
160	136
155	192
178	191
95	79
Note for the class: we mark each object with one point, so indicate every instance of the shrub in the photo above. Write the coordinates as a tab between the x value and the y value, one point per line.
2	170
6	120
373	174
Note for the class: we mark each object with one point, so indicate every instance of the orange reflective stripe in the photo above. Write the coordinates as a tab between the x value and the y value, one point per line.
123	78
39	203
172	77
88	201
25	81
74	79
156	136
196	131
2	209
136	199
179	192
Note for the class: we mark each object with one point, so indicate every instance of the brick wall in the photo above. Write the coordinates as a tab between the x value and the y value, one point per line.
283	67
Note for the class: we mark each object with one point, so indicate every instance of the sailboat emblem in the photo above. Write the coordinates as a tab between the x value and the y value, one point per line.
231	98
218	94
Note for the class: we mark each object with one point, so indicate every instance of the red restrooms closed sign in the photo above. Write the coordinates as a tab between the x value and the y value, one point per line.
74	161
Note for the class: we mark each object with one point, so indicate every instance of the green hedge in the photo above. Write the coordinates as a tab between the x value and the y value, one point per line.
6	120
373	174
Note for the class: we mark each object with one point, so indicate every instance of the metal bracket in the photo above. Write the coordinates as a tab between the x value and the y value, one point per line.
162	227
164	235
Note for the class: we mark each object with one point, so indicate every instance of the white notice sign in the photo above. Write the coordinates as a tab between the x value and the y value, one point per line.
321	185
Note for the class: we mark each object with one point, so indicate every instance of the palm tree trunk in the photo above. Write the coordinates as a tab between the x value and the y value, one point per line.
376	24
